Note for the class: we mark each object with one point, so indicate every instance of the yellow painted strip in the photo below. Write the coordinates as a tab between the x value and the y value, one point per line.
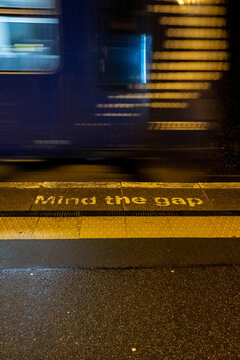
82	185
118	185
57	228
21	185
226	185
119	227
17	228
61	185
160	185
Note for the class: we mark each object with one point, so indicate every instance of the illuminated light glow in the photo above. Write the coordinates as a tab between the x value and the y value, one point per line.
191	55
143	59
198	2
197	44
118	114
193	21
163	95
9	19
197	33
162	105
186	76
187	66
45	4
188	9
179	125
28	47
175	86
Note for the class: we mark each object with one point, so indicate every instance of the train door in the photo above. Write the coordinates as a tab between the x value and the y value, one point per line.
106	53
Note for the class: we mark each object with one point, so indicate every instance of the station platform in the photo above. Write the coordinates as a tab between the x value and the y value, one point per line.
105	224
119	270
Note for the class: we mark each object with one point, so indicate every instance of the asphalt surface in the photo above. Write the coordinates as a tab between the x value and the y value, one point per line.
157	314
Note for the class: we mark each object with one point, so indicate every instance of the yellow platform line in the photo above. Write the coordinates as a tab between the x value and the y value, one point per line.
118	185
120	227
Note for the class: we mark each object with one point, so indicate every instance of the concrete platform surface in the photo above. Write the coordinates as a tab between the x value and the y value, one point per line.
111	224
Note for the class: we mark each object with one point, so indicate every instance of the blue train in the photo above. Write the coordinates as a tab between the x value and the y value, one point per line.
80	77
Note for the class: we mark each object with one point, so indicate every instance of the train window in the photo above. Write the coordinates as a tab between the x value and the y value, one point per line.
37	4
123	59
29	44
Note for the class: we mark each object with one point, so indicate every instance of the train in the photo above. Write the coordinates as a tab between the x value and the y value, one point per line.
108	77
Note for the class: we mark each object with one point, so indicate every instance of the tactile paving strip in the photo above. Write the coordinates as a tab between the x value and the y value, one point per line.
17	228
119	227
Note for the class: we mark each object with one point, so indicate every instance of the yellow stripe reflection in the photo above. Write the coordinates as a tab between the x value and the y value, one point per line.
179	125
163	95
188	9
160	105
118	114
193	21
197	33
186	76
191	55
175	86
187	66
197	44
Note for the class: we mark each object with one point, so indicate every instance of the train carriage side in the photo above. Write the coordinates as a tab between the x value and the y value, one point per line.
84	76
60	63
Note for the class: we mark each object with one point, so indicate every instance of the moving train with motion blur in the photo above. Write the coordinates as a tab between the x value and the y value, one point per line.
114	77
